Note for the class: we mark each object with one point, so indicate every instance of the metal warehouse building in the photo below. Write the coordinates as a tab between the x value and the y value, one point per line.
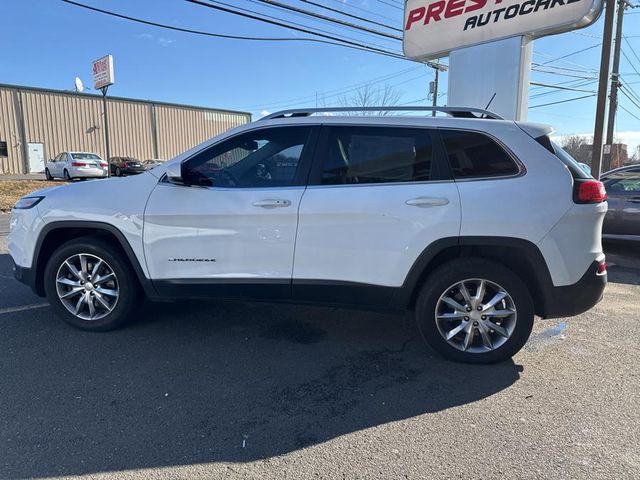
36	124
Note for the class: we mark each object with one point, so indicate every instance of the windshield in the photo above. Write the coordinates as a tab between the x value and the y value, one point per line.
85	156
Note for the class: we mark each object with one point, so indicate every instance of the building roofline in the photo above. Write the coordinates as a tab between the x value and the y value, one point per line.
124	99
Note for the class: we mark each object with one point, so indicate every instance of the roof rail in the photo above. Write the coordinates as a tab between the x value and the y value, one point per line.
458	112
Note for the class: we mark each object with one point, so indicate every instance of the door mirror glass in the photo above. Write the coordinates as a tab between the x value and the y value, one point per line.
174	172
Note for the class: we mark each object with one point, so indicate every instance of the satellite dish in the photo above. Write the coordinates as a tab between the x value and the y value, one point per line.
79	85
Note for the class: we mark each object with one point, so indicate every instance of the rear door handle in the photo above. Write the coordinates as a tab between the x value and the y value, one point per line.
272	203
425	202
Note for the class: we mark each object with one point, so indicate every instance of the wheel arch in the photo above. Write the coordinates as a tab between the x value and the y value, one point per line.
520	256
55	234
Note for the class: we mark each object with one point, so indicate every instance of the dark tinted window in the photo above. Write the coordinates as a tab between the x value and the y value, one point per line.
473	154
357	155
263	158
3	149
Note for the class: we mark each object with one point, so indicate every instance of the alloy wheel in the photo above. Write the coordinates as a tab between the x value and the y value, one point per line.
476	315
87	286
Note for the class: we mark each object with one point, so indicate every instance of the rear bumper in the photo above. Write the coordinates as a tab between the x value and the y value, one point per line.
88	172
574	299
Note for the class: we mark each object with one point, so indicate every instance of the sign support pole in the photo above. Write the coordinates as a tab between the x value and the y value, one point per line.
105	109
601	105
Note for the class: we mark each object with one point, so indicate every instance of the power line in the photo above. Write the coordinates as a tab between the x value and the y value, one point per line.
327	18
209	34
630	47
562	101
389	4
292	26
264	16
362	9
340	90
624	92
351	15
634	116
572	53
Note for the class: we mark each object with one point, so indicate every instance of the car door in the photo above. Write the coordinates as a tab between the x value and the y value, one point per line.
230	229
58	164
377	197
623	215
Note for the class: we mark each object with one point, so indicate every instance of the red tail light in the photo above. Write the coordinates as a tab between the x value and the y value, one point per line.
125	164
602	268
590	191
104	165
78	164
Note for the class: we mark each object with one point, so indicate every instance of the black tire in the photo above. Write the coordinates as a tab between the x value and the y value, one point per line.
66	175
448	275
118	172
129	292
47	174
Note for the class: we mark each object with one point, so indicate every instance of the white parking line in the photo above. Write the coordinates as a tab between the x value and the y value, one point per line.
22	308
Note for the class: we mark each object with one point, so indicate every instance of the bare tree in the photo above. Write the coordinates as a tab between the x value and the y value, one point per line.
369	96
579	147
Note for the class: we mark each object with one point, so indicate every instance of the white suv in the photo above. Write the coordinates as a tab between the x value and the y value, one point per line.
474	222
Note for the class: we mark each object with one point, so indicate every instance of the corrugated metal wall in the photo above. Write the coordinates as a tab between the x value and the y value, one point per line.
69	121
9	133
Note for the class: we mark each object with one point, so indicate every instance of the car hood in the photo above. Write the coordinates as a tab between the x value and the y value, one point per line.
97	200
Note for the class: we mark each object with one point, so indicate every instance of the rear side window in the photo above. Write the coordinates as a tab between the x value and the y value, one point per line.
473	155
361	155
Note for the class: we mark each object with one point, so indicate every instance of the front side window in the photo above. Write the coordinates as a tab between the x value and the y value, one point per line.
263	158
361	155
473	155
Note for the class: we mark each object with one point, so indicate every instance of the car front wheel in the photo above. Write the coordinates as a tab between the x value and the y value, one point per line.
476	311
47	174
91	284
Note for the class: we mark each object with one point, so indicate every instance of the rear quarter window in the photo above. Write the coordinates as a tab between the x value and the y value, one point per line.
475	155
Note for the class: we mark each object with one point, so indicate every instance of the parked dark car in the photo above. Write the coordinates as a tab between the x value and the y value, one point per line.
125	166
622	221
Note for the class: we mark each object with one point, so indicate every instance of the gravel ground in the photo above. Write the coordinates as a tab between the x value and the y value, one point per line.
231	390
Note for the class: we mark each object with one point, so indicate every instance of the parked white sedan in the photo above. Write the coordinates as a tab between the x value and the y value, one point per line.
70	165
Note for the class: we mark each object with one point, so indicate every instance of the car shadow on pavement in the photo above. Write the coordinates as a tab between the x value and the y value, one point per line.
191	383
623	259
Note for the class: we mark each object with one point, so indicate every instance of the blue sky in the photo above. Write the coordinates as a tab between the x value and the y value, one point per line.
46	43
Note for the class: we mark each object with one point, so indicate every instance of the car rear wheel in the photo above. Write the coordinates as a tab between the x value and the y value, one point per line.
47	174
118	172
475	311
91	284
67	177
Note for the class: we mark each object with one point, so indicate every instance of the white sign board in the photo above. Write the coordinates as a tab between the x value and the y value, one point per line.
103	72
432	28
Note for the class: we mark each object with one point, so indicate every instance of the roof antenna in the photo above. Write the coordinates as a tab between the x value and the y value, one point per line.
484	115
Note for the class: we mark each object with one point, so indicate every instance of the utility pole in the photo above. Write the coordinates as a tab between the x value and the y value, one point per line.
603	83
435	91
615	84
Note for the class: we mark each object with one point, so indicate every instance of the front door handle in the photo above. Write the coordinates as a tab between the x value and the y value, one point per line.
272	203
424	202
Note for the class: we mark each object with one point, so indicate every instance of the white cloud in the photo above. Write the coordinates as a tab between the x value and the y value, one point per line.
264	113
162	41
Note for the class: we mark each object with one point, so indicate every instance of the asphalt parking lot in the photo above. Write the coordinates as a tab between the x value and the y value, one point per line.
232	390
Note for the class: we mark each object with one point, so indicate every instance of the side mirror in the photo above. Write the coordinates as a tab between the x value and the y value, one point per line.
174	172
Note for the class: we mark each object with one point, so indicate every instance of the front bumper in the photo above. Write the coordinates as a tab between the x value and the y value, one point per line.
25	275
575	299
